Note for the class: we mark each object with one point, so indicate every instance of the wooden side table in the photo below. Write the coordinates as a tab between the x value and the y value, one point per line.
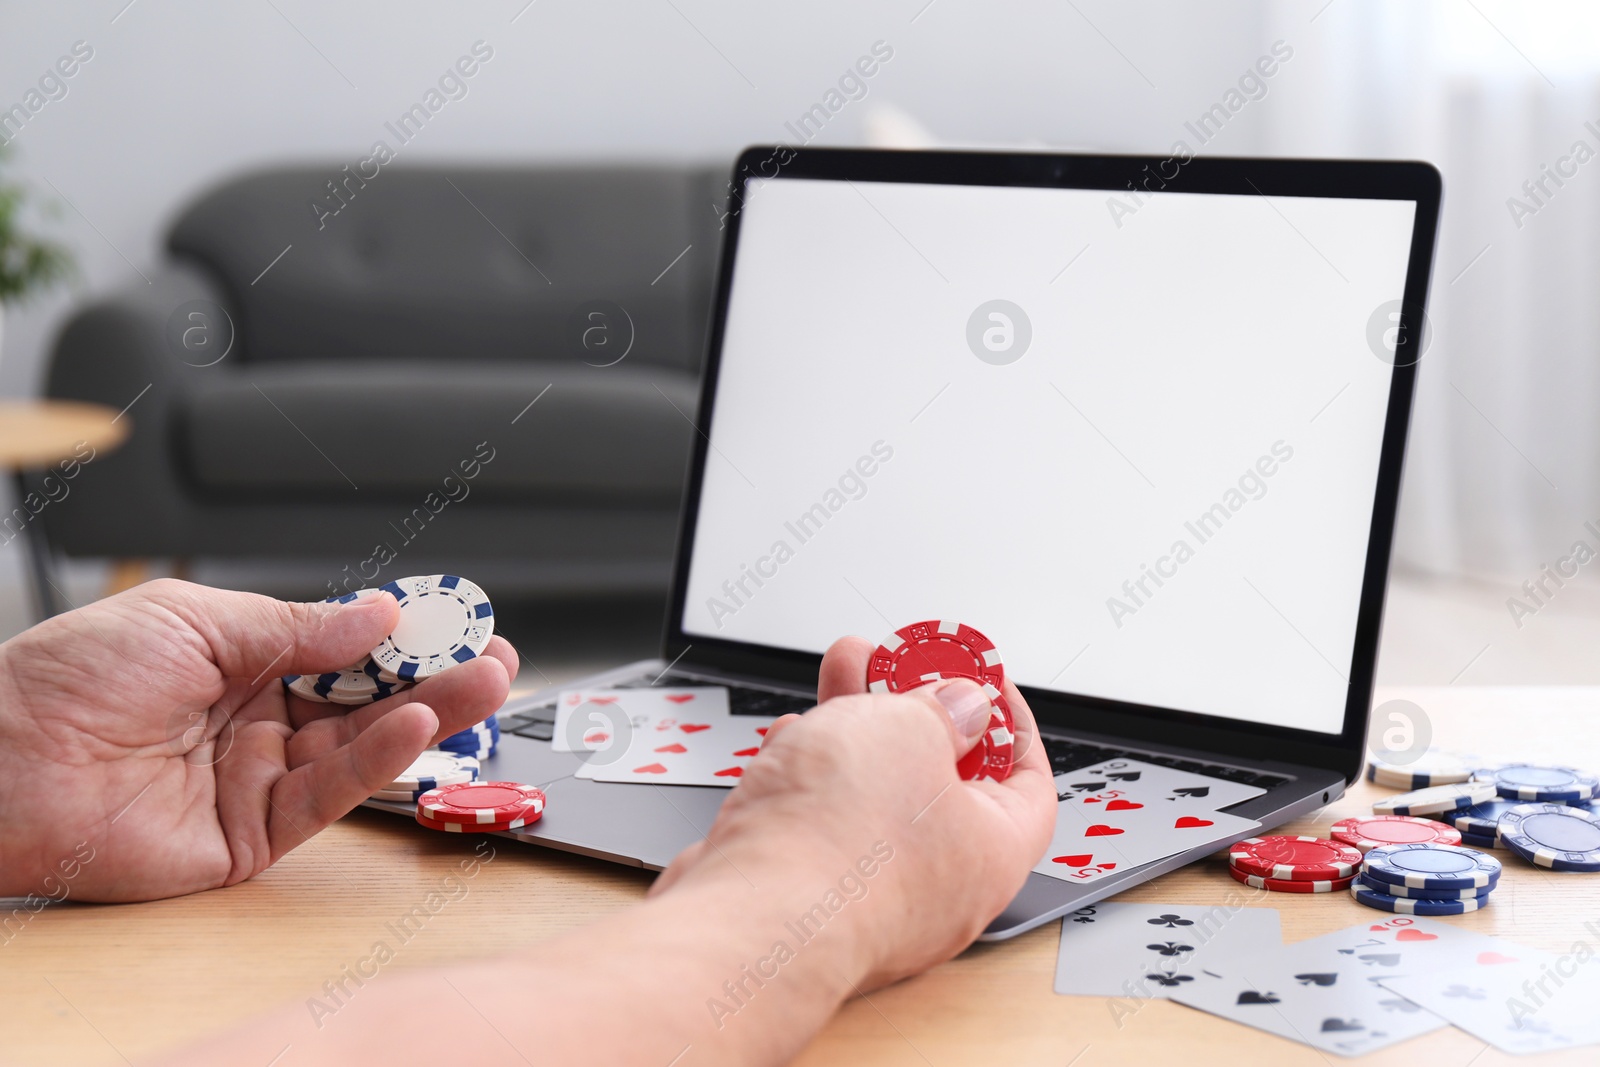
36	435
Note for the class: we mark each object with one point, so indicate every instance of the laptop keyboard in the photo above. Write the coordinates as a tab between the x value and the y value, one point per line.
1065	755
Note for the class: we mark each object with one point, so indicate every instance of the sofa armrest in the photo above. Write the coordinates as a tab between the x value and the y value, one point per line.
127	351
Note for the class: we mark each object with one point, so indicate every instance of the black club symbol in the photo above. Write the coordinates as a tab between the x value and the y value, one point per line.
1170	948
1170	921
1169	979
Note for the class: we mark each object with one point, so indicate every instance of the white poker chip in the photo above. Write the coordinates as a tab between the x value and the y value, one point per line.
304	686
444	621
433	769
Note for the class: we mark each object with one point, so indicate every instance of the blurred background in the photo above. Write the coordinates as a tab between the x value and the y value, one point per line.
433	278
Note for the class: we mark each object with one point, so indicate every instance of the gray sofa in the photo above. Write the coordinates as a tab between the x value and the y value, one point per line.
380	340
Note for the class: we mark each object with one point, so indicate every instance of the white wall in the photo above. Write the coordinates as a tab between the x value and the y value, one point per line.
178	95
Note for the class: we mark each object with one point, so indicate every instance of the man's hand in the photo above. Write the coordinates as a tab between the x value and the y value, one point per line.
866	768
152	727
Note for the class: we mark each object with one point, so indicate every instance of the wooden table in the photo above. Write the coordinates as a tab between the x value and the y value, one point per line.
34	436
107	985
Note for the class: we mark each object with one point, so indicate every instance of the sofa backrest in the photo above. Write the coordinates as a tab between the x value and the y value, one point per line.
453	263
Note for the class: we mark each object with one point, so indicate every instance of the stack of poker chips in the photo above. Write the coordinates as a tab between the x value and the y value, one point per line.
480	807
1284	863
478	741
1547	815
444	621
428	771
1426	878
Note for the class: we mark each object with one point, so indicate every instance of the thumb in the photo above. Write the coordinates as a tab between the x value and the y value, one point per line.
963	704
251	635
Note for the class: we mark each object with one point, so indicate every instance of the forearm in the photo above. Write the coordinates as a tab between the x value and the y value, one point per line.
696	973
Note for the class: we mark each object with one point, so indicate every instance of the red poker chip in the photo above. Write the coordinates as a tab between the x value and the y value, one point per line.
916	654
1284	885
478	828
1295	859
481	803
1374	831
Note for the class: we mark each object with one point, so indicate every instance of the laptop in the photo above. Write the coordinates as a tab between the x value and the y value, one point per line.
1139	420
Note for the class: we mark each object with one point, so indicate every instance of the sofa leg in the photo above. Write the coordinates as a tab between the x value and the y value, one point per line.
125	574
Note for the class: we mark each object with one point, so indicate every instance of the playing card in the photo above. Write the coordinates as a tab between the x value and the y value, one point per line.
1143	951
1092	842
1152	783
594	719
1329	992
1521	1003
682	750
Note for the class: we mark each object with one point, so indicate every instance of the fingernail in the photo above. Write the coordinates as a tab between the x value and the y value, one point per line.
967	704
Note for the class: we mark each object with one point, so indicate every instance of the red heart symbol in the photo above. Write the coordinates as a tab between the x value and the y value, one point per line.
674	747
595	737
1101	830
650	768
730	772
1189	822
1108	866
1380	926
1073	861
680	698
1495	957
1122	805
1415	935
574	700
747	752
602	700
1091	800
762	730
694	727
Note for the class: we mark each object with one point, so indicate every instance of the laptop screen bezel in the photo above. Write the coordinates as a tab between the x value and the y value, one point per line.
1348	179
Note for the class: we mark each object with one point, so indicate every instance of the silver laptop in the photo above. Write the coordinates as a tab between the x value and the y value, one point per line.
1139	420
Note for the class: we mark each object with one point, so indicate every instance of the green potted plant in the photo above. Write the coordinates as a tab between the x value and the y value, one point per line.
28	264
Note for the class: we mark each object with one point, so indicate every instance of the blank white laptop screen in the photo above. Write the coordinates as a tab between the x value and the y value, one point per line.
1136	445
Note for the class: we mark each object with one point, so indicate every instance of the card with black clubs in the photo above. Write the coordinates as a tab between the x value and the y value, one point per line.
1139	952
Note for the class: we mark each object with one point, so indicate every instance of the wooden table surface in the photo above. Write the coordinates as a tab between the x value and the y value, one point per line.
38	433
85	984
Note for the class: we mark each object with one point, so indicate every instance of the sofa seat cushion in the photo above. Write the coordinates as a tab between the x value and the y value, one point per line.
361	431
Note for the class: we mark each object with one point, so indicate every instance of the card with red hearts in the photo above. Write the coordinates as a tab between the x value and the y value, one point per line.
1092	841
589	720
1329	992
680	743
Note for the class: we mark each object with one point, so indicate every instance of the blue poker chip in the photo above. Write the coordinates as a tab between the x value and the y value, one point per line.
1430	768
1474	841
1481	820
1426	865
1422	894
1435	799
1543	784
1558	836
1412	906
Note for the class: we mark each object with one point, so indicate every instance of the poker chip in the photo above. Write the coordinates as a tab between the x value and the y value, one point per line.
482	803
444	621
1284	885
992	756
433	769
1427	866
1480	820
1475	841
479	828
1545	784
479	740
1557	836
923	651
1432	768
1413	906
1421	894
1374	831
1295	859
1435	799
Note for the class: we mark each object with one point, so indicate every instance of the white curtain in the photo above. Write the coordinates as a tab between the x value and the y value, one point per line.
1503	468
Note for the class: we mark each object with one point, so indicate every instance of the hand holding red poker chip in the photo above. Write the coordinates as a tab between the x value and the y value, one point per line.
938	650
